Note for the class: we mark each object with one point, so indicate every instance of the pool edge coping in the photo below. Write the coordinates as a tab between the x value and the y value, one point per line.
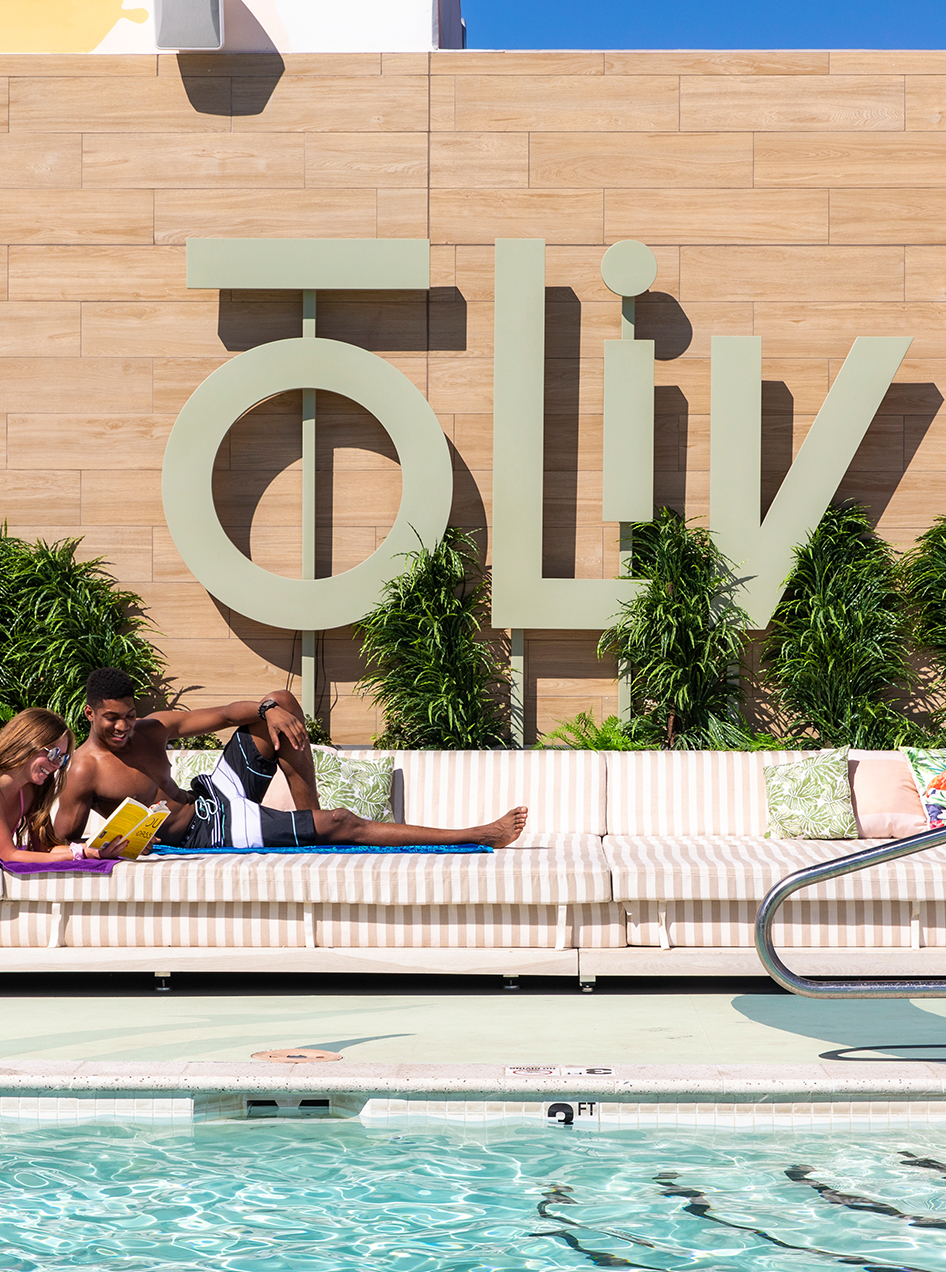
719	1084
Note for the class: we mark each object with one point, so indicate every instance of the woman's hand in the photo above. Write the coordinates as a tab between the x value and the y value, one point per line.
112	849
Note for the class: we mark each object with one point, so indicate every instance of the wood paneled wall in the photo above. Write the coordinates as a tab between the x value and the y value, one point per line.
799	196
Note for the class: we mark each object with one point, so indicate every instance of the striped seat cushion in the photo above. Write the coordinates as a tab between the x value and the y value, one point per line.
574	869
745	867
690	792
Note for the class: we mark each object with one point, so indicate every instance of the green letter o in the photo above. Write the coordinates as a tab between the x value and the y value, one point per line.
243	382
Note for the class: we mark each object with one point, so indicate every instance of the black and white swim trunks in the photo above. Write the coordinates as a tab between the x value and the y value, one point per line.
227	808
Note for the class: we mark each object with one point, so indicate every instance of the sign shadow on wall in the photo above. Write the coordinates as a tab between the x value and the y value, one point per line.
228	84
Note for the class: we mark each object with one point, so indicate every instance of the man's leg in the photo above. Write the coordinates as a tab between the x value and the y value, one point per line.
340	826
296	764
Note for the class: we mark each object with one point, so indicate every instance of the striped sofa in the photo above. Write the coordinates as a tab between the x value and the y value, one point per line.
636	863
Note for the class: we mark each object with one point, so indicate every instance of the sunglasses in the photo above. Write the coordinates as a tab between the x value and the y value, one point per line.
54	754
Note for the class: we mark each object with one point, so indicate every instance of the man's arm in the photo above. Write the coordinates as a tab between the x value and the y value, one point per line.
235	715
75	802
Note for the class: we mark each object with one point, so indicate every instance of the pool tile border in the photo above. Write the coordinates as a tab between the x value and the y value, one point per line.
731	1097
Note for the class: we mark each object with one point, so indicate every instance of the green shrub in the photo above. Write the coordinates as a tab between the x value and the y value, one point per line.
836	652
198	742
60	619
924	577
433	677
680	640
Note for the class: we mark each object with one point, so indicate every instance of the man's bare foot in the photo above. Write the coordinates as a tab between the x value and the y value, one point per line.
504	830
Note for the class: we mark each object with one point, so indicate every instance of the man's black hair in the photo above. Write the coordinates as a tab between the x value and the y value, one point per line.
107	683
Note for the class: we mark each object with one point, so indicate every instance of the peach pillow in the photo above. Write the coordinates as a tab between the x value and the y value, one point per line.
886	801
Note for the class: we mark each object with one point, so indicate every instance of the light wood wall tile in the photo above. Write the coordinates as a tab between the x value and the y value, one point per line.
781	102
182	214
267	66
785	273
349	160
83	384
489	62
461	160
4	272
38	328
717	62
925	273
567	103
443	103
887	216
790	330
100	491
168	565
49	497
40	161
635	160
118	104
850	159
402	213
76	216
226	670
271	161
186	611
175	379
395	103
405	63
169	329
100	273
481	216
70	64
888	62
717	216
126	549
270	498
925	102
84	441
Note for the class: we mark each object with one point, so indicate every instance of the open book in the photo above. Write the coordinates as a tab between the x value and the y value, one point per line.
135	823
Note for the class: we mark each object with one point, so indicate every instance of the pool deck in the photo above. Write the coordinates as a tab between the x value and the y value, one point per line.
667	1043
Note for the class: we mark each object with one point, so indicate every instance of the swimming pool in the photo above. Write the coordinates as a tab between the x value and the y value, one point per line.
272	1196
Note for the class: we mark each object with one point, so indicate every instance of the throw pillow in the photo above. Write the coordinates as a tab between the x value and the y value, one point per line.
810	799
364	786
929	775
886	801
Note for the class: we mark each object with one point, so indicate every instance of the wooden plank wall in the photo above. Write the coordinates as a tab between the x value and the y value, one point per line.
798	196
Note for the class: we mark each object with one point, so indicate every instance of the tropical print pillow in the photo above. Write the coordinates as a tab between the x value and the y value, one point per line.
185	765
364	786
929	774
810	799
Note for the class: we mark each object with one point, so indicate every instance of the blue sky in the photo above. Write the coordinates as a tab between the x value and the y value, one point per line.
686	24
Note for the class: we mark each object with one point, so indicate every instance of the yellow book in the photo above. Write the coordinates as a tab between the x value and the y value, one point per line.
135	823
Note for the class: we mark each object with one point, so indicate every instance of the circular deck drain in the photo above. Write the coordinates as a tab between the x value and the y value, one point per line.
295	1055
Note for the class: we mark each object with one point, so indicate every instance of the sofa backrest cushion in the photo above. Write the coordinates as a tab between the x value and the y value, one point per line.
689	792
564	790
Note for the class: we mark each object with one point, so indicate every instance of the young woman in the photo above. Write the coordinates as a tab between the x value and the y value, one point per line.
35	747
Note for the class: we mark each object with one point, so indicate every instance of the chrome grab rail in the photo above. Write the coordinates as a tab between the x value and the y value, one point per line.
803	985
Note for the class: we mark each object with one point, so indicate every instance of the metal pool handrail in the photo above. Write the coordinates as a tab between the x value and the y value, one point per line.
803	985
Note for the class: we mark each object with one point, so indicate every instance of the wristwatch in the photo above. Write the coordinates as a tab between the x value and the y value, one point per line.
265	705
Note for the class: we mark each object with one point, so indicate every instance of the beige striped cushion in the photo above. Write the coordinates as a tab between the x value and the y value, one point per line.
690	792
746	867
564	790
257	925
574	870
800	924
470	926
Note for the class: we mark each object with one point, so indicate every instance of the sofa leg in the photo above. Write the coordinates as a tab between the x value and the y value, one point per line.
162	982
586	984
511	982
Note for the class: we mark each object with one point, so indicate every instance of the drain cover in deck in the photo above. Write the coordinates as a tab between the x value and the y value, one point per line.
296	1055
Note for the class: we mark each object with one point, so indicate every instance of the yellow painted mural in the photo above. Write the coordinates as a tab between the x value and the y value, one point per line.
60	26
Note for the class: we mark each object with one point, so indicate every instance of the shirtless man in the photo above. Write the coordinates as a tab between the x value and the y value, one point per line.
127	756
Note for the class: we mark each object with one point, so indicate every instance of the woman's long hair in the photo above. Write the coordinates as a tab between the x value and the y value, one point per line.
33	730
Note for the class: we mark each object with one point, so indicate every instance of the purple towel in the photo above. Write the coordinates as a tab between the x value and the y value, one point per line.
86	865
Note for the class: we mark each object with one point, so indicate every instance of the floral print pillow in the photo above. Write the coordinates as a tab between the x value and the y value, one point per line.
929	775
364	786
810	799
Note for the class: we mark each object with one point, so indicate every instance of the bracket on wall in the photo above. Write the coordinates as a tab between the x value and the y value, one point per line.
188	24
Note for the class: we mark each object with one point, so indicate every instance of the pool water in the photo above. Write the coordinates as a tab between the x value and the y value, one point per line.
277	1197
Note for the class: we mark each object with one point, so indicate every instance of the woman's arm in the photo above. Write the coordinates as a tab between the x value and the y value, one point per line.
10	852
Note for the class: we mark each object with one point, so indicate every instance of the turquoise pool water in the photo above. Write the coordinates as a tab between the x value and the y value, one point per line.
275	1197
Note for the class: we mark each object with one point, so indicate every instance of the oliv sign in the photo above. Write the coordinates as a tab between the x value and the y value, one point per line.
522	597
